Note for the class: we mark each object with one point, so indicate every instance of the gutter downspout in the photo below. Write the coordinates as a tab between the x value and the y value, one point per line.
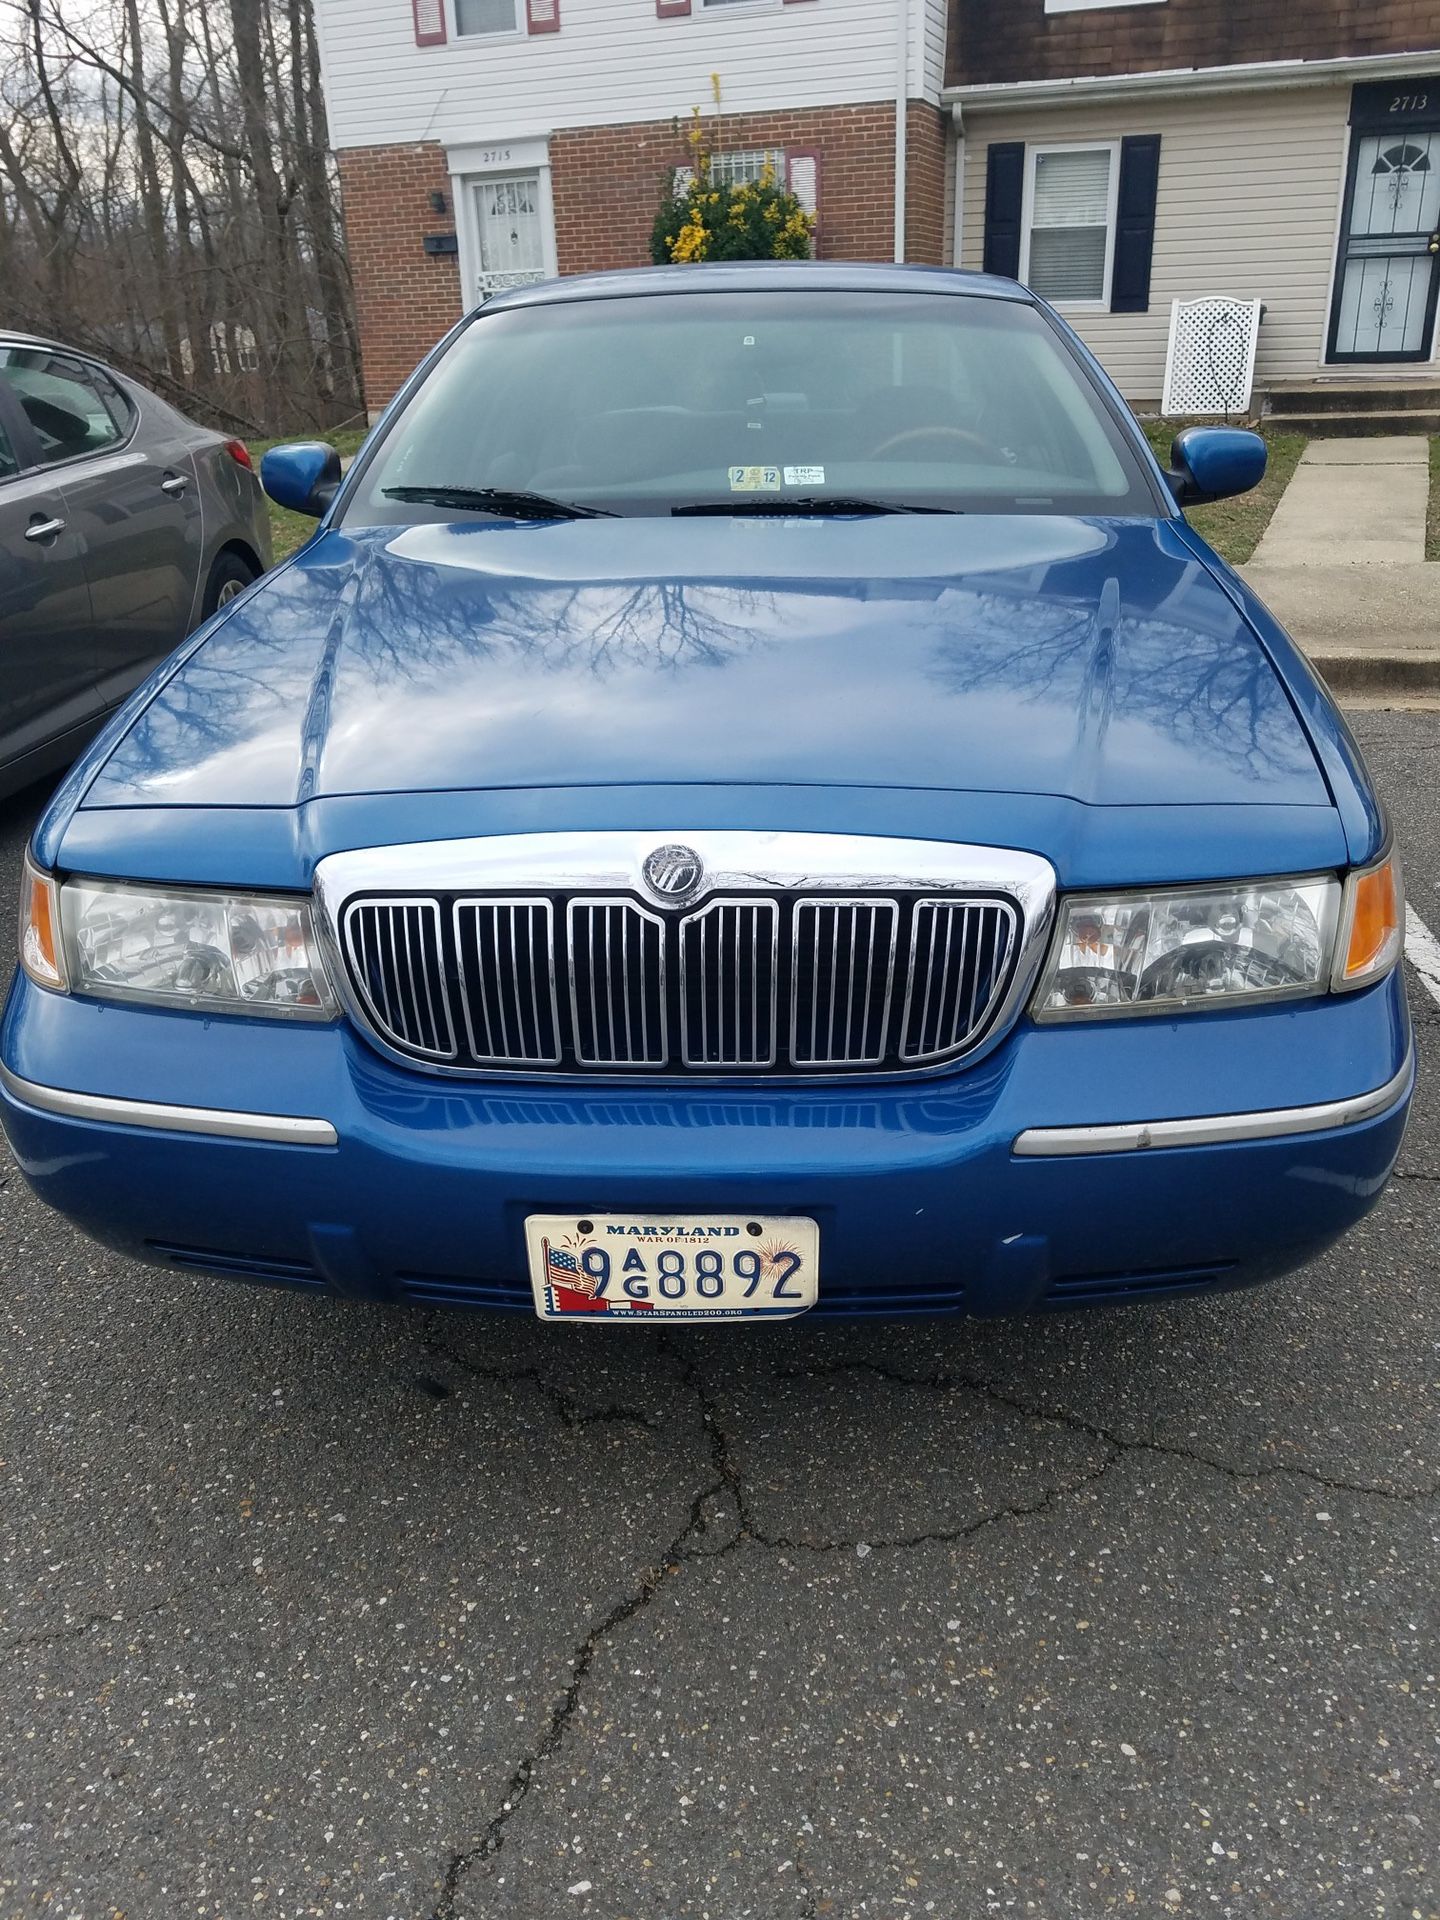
902	96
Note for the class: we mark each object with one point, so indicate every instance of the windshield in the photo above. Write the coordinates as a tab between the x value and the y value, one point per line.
752	401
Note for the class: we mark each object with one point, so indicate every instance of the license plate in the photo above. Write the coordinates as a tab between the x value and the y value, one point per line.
651	1266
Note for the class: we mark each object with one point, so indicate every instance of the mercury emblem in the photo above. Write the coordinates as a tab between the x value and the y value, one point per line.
673	873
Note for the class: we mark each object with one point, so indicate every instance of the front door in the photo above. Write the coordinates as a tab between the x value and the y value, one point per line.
511	231
1388	272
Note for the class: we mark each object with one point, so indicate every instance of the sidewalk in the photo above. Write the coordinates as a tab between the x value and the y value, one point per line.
1342	564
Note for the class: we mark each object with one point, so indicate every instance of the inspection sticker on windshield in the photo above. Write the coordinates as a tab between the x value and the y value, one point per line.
649	1267
804	476
754	479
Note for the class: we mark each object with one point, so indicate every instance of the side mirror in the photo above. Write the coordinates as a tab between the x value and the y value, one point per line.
303	476
1213	463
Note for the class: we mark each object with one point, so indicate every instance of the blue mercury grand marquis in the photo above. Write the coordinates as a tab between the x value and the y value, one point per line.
753	799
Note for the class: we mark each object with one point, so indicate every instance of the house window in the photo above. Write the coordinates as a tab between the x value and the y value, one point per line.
1069	228
735	169
486	16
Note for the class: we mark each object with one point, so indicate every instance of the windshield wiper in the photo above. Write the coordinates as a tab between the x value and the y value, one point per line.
815	503
514	504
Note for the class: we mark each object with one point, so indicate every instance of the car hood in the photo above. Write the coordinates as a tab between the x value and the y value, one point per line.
1096	660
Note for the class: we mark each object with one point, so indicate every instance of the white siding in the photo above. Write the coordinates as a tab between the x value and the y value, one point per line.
611	62
1249	199
927	47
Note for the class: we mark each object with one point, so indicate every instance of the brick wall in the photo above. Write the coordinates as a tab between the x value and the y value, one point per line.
405	298
608	180
993	40
606	185
927	136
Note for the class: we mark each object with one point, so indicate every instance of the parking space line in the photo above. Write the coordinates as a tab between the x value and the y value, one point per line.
1422	950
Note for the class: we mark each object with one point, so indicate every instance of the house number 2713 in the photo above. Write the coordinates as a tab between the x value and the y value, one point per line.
1410	103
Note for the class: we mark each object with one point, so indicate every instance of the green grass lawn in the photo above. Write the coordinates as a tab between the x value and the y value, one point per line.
1432	519
1234	527
290	530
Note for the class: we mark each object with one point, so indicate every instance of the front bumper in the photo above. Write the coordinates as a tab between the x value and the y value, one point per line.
982	1191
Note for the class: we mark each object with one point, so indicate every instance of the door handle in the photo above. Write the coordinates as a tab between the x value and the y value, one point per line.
44	529
174	484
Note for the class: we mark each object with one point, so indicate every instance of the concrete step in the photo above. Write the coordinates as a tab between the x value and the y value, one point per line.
1352	425
1355	397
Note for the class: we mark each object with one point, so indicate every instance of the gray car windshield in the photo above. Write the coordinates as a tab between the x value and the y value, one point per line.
767	401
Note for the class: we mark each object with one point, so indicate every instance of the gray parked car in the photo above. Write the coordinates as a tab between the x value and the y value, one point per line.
122	526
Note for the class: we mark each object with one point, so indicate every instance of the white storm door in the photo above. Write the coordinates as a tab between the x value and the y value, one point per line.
509	230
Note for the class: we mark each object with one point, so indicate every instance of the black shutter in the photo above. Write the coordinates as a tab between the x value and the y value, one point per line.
1135	222
1004	203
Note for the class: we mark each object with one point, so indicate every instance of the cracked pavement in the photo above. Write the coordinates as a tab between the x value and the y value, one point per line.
310	1608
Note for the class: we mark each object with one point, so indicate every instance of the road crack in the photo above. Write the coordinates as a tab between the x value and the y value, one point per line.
567	1409
1096	1430
687	1545
726	1484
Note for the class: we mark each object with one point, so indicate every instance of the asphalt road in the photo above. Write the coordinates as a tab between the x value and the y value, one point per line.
315	1609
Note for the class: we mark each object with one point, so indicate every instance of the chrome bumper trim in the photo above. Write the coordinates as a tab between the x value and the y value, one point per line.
1211	1130
283	1128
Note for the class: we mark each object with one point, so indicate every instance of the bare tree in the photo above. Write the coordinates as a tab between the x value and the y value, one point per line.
167	197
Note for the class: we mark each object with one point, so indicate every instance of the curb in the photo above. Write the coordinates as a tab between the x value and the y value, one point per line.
1352	670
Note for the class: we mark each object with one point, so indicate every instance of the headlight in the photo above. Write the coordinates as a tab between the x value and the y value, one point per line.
217	952
1189	948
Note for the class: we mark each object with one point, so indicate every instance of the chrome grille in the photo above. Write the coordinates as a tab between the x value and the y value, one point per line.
842	965
728	984
395	959
504	951
808	984
617	984
959	953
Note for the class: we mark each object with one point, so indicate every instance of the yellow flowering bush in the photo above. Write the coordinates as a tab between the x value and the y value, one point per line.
705	219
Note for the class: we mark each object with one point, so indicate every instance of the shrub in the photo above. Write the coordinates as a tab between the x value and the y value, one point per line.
702	219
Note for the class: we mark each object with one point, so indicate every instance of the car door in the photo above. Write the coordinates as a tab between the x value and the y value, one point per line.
47	649
131	499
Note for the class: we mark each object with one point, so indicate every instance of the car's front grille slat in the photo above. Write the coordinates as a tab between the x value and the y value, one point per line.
842	965
617	984
728	984
405	997
808	984
961	954
505	961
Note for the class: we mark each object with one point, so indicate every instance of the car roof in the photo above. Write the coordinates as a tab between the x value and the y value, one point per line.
760	276
10	338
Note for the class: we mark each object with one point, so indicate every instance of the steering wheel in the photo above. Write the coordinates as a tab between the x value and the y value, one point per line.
907	439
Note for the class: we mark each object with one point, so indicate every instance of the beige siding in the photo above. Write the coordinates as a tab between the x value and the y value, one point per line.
1248	202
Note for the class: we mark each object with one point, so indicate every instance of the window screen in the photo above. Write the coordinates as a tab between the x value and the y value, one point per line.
1069	224
485	16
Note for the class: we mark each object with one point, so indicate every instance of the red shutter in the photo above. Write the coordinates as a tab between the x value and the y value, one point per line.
671	9
542	16
429	22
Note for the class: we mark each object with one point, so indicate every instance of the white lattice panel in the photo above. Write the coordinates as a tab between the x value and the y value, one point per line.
1210	362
